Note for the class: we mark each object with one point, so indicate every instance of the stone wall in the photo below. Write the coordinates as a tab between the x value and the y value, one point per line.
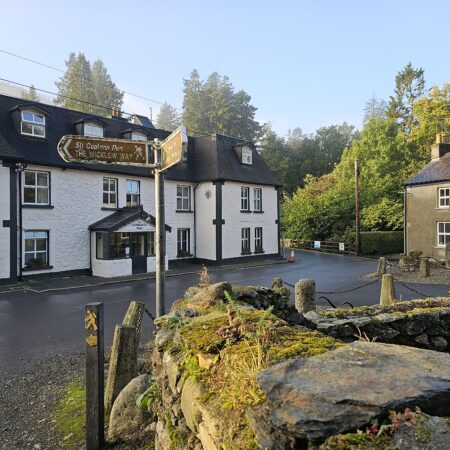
417	323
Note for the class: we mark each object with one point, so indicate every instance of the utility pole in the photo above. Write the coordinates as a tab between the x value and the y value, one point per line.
160	231
357	232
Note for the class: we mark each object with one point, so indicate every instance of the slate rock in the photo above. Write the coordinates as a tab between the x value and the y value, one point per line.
127	418
428	433
344	389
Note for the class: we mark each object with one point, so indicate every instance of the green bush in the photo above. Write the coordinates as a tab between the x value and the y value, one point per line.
379	242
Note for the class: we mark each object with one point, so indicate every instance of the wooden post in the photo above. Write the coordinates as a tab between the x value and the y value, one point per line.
95	416
134	316
381	266
387	295
424	269
357	233
160	235
122	364
305	295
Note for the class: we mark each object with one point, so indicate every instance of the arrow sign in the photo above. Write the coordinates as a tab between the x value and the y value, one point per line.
174	148
103	151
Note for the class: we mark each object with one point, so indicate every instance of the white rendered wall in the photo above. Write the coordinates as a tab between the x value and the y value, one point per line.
205	214
235	220
4	215
77	199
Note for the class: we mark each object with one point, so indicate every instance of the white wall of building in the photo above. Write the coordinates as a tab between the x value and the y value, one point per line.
4	215
205	199
76	197
235	220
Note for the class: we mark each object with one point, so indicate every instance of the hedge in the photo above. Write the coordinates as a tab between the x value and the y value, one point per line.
380	242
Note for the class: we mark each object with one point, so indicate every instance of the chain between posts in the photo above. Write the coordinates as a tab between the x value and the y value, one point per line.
149	314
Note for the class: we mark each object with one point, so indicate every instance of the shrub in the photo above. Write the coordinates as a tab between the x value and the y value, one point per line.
379	242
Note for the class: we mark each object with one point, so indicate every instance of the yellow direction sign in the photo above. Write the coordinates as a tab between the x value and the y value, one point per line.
103	150
174	148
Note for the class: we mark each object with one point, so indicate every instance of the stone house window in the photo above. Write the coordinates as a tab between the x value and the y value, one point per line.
443	234
443	197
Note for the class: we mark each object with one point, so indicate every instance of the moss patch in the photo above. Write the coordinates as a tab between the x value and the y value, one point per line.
355	441
412	307
70	415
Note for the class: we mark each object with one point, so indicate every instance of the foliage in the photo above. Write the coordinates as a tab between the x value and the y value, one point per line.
292	159
213	106
379	242
168	118
387	214
31	94
375	108
88	89
148	398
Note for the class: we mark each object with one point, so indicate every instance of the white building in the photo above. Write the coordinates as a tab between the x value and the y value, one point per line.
69	218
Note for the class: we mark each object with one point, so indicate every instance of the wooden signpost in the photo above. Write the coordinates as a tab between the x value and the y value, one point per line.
95	415
168	153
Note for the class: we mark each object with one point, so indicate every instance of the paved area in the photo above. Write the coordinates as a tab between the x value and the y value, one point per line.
36	324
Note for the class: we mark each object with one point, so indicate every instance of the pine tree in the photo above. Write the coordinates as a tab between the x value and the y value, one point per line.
89	90
168	118
106	92
409	87
375	108
31	94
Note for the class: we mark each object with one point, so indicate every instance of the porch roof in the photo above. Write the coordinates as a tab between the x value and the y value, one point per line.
123	217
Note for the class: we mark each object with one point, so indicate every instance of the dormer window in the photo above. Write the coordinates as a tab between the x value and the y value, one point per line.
247	155
32	124
93	130
138	136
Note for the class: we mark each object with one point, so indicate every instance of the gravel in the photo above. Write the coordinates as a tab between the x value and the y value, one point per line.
438	275
28	397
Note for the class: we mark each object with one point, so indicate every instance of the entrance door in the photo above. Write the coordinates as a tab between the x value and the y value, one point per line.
137	253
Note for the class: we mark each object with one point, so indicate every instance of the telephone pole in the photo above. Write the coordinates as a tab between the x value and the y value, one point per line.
357	231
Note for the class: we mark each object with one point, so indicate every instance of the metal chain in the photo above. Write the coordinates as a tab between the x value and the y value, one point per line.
410	288
149	314
344	291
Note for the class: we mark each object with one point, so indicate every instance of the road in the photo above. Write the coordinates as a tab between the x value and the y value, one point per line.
33	325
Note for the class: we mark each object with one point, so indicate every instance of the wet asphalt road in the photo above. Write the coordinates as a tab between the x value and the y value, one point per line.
33	326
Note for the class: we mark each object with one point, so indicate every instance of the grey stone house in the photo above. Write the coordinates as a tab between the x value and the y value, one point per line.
427	205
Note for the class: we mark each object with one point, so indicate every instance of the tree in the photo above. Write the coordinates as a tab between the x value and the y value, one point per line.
107	95
89	90
375	109
168	117
31	94
409	87
213	106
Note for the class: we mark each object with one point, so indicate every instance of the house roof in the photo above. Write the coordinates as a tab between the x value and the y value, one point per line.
209	158
123	217
437	170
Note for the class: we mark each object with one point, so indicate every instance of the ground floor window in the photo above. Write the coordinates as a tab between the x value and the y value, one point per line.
36	248
245	241
127	245
443	234
183	242
259	240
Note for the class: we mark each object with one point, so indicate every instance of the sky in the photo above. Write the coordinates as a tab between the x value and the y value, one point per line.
305	64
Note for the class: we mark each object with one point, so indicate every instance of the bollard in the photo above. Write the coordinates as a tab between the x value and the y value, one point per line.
402	261
381	266
123	363
387	295
305	295
95	417
277	283
424	269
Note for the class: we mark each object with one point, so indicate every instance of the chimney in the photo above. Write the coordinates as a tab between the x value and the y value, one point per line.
441	147
115	112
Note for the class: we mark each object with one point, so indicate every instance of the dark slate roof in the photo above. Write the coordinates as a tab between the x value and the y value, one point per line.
121	218
435	171
209	158
227	165
145	121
